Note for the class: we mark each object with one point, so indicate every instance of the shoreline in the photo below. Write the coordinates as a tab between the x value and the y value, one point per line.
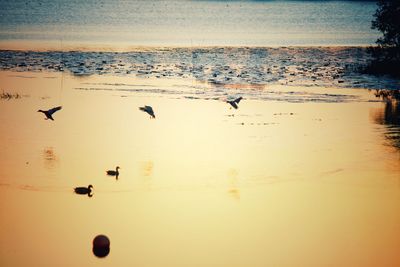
57	47
189	89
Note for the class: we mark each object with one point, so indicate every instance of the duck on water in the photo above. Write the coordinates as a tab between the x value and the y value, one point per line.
84	190
114	173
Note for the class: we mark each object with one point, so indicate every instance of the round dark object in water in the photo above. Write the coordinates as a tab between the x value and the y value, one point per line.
101	246
101	252
101	241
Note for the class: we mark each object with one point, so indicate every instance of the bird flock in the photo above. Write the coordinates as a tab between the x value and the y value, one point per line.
115	173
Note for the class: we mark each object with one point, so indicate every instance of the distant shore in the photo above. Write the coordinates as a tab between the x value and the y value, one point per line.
48	46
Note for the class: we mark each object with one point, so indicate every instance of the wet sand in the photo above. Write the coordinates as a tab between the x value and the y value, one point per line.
312	181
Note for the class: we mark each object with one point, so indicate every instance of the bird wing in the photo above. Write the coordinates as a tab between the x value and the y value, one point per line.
149	110
51	111
237	100
233	104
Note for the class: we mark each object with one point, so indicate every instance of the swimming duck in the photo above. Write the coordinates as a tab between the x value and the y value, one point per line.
148	110
113	173
50	112
84	190
234	103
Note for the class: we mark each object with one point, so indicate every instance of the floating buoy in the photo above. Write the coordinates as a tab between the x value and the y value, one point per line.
101	246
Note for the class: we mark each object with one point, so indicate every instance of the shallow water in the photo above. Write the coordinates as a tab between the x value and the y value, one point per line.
186	23
202	184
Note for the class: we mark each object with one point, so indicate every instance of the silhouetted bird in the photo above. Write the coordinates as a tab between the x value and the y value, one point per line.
234	103
148	110
114	173
84	190
49	112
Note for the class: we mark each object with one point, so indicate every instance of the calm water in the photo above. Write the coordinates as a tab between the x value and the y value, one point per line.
200	185
176	23
302	168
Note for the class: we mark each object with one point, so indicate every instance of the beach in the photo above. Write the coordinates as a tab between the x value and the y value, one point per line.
203	183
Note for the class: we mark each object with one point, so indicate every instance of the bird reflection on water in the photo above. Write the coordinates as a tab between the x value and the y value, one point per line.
50	158
147	168
233	189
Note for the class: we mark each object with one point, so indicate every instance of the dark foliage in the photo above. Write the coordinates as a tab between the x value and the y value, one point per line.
386	56
388	95
387	20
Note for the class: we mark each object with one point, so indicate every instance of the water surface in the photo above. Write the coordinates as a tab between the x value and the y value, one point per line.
219	66
202	184
185	23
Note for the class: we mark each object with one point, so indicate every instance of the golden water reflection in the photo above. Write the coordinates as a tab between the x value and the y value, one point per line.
147	168
233	188
309	180
50	158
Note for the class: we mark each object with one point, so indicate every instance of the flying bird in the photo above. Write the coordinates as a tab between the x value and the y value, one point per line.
148	110
49	112
114	173
84	190
234	103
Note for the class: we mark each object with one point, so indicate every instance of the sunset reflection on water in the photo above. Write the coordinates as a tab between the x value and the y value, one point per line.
201	184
